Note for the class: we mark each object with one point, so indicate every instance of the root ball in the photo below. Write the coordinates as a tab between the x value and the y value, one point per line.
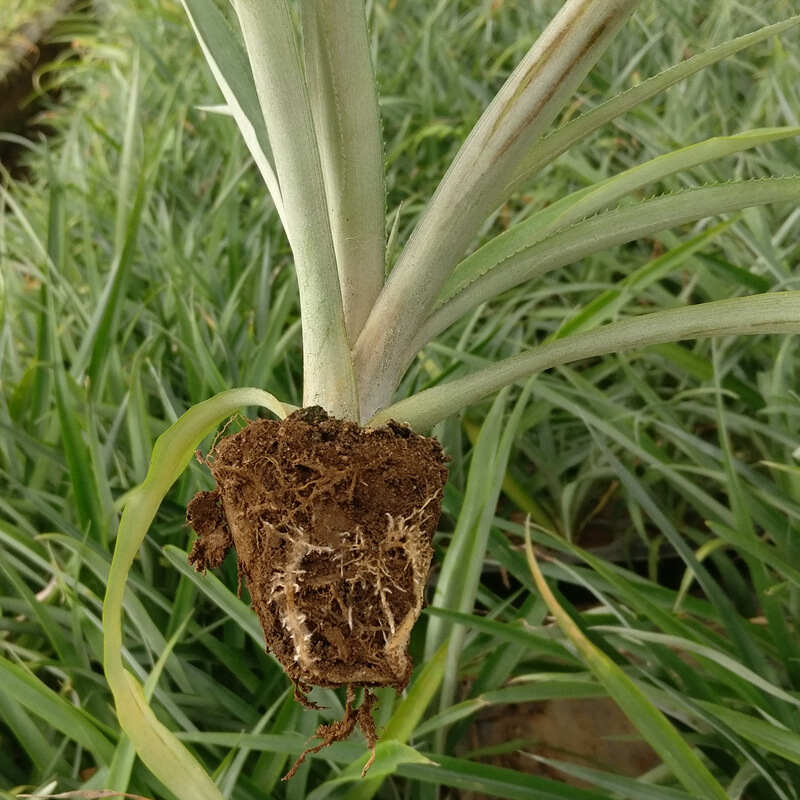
332	525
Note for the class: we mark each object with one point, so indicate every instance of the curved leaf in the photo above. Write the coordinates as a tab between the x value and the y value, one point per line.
159	749
227	61
552	146
520	112
521	261
777	312
655	728
585	202
40	700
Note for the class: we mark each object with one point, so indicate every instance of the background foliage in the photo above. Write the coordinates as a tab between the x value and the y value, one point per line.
143	270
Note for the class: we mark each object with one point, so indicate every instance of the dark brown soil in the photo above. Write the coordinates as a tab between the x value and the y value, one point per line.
332	525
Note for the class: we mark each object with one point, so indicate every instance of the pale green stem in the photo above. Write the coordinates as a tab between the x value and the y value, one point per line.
271	44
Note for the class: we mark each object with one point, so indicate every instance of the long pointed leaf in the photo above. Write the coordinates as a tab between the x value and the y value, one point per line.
649	721
491	781
227	60
765	735
472	187
777	312
85	489
42	701
607	304
344	102
588	201
561	140
520	262
130	203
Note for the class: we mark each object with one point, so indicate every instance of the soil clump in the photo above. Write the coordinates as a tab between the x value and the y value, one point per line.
332	525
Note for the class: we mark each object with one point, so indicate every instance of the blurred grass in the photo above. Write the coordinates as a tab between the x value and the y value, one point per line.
22	25
142	271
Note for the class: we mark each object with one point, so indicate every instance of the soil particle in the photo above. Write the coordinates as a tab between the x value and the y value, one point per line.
332	525
205	515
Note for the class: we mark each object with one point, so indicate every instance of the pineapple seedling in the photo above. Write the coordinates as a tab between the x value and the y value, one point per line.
331	508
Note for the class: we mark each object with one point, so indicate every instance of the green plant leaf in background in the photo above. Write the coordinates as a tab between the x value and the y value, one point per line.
561	140
655	728
227	60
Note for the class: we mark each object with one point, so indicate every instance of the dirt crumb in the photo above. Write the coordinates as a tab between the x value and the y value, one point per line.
205	515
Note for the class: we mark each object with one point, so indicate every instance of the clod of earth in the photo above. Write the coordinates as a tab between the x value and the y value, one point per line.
332	525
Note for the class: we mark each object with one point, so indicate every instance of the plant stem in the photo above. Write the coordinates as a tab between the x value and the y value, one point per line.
271	44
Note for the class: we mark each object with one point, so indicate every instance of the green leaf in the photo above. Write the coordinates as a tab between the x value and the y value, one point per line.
777	312
561	140
646	718
407	715
389	755
241	753
607	304
505	632
159	749
27	734
559	686
620	785
94	348
61	645
227	60
766	735
521	260
119	772
344	104
581	204
461	569
219	594
717	657
700	368
473	186
499	782
43	702
82	475
757	548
